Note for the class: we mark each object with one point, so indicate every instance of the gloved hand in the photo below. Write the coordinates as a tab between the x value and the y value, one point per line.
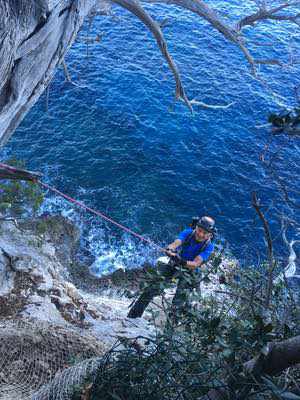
178	260
170	252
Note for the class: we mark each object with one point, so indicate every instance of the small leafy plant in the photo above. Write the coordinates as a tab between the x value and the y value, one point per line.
19	198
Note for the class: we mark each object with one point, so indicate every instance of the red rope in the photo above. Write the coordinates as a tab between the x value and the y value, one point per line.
78	203
101	215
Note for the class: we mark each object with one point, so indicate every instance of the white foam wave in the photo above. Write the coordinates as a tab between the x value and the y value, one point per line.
110	252
113	253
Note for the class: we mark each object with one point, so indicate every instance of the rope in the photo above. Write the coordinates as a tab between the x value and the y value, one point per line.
100	214
34	177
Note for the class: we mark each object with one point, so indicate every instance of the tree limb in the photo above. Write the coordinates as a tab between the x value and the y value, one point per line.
264	14
211	106
135	7
266	227
278	357
210	15
8	172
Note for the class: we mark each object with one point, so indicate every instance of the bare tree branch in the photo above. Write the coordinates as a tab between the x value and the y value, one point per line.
135	7
210	15
211	106
277	357
279	181
257	207
264	14
9	172
68	76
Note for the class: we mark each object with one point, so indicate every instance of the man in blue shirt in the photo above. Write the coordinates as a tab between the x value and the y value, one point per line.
186	254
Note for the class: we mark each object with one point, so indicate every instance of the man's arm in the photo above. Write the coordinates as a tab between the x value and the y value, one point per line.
201	258
191	265
173	246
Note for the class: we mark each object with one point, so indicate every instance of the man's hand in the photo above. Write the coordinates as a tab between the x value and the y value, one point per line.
178	260
170	252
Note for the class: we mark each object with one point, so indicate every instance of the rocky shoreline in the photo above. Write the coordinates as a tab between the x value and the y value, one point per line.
37	270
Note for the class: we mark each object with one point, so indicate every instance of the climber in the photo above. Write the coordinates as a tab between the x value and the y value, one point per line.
185	255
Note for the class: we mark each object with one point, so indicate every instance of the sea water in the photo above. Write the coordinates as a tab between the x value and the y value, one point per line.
117	140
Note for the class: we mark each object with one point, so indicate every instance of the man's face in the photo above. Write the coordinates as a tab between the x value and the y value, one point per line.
201	234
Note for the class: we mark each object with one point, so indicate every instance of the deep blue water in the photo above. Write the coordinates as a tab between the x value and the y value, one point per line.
121	144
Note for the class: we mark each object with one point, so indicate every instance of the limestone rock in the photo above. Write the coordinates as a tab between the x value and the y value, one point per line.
35	259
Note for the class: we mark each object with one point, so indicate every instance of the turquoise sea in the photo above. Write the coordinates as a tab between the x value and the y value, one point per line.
120	143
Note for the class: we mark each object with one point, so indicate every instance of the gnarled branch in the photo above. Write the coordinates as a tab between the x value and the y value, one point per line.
257	207
264	14
204	11
278	357
135	7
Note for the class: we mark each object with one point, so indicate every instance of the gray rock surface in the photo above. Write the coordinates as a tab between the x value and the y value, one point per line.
35	258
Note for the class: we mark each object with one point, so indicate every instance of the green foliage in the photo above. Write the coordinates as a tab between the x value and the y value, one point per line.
19	197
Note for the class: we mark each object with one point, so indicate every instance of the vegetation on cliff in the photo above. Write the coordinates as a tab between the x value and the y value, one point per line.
227	346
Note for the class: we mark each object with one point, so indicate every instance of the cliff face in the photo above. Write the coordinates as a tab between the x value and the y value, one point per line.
37	271
35	260
47	325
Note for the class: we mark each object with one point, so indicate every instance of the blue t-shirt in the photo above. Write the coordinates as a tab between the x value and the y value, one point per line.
193	249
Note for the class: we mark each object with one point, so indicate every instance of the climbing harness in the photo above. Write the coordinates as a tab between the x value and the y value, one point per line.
34	177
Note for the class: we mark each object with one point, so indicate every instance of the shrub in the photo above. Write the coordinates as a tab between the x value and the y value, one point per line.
19	197
206	349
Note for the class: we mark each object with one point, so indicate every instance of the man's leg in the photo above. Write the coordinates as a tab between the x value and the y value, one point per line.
164	271
187	281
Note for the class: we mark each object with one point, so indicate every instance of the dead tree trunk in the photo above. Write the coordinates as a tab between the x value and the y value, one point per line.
277	358
34	37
